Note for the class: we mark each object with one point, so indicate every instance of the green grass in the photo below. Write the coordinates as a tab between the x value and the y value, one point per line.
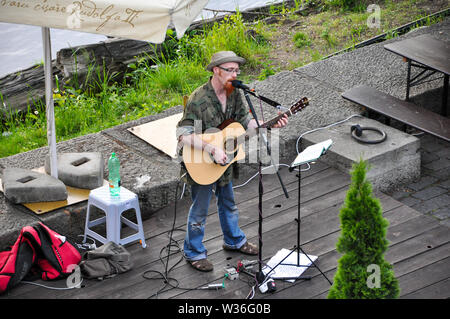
25	133
301	40
333	29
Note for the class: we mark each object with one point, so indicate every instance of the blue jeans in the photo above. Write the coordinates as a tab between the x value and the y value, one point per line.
234	237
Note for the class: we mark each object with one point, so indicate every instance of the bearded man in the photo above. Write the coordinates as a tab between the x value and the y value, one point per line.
211	104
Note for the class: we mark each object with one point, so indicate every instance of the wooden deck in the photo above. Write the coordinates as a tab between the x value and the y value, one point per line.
419	247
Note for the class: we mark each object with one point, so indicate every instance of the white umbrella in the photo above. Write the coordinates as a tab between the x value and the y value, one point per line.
145	20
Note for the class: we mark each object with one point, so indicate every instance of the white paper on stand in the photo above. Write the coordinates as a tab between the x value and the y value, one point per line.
312	153
288	268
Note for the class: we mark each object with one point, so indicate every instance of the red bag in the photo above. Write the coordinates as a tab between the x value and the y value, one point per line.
16	262
37	249
56	257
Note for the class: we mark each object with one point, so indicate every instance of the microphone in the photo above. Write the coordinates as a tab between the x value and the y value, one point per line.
239	85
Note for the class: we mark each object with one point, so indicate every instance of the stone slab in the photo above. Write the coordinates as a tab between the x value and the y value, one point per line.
80	170
74	196
394	161
27	186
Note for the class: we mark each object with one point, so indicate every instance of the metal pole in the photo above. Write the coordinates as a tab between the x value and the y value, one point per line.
408	80
298	213
50	112
444	95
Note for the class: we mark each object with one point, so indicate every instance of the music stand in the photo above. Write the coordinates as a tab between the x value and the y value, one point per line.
310	154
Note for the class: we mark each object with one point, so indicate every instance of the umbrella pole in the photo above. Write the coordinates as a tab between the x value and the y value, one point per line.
50	112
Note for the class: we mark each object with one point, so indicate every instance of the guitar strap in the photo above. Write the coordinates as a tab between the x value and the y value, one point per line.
263	98
225	123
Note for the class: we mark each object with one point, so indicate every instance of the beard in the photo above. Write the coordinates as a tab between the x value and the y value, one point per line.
229	88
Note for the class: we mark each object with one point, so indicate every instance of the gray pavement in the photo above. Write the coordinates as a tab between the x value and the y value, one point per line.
153	175
430	194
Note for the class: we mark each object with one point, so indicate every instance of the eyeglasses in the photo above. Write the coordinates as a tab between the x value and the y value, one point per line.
230	70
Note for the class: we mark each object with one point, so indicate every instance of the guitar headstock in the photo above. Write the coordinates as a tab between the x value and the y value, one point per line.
300	105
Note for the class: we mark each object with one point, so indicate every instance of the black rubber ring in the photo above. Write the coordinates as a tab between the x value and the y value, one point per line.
362	140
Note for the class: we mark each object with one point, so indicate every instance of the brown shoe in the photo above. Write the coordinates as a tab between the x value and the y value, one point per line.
201	264
247	249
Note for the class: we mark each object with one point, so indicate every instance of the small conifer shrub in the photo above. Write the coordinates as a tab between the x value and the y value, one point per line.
362	271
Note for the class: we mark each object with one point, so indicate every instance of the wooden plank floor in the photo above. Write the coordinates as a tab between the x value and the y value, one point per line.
419	247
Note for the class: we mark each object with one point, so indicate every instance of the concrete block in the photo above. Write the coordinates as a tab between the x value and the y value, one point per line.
26	186
393	162
81	170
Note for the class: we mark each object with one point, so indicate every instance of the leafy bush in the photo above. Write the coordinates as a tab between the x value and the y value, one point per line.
231	34
363	243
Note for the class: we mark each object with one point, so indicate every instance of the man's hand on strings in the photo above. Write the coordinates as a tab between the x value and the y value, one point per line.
281	122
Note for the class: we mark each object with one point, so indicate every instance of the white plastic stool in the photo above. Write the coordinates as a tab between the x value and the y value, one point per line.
114	206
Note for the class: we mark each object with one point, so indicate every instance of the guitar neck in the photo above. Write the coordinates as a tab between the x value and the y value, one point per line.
274	121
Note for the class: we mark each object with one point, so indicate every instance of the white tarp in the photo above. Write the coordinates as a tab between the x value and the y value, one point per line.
145	20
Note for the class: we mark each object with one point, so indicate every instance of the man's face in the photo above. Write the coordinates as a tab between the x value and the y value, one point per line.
226	77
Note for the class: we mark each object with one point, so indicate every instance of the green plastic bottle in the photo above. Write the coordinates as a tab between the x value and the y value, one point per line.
114	174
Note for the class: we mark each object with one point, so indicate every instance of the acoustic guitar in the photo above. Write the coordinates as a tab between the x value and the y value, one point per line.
230	136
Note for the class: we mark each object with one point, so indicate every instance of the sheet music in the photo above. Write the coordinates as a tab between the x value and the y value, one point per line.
288	267
312	153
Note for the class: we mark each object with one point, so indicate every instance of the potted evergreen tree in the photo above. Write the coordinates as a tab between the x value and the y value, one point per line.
362	271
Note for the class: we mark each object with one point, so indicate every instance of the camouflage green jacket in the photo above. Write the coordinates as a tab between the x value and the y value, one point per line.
204	107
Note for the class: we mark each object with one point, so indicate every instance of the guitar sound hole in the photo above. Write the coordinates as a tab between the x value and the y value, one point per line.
230	145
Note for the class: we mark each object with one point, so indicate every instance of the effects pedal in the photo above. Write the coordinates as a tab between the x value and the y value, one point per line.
232	273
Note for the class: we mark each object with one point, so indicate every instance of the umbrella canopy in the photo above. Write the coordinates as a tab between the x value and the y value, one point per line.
145	20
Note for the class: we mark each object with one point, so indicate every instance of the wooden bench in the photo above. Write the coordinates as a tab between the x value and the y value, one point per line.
405	112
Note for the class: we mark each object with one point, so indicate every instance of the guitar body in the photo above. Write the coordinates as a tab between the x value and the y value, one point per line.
201	166
229	137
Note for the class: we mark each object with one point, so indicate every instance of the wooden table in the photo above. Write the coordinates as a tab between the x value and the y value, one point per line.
430	55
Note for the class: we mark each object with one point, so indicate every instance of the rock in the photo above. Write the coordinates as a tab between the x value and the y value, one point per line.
81	66
26	186
23	88
81	170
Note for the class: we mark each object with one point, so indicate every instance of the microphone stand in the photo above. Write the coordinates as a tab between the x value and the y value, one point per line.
265	99
259	275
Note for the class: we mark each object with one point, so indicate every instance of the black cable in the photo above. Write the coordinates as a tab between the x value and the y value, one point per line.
165	275
173	226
